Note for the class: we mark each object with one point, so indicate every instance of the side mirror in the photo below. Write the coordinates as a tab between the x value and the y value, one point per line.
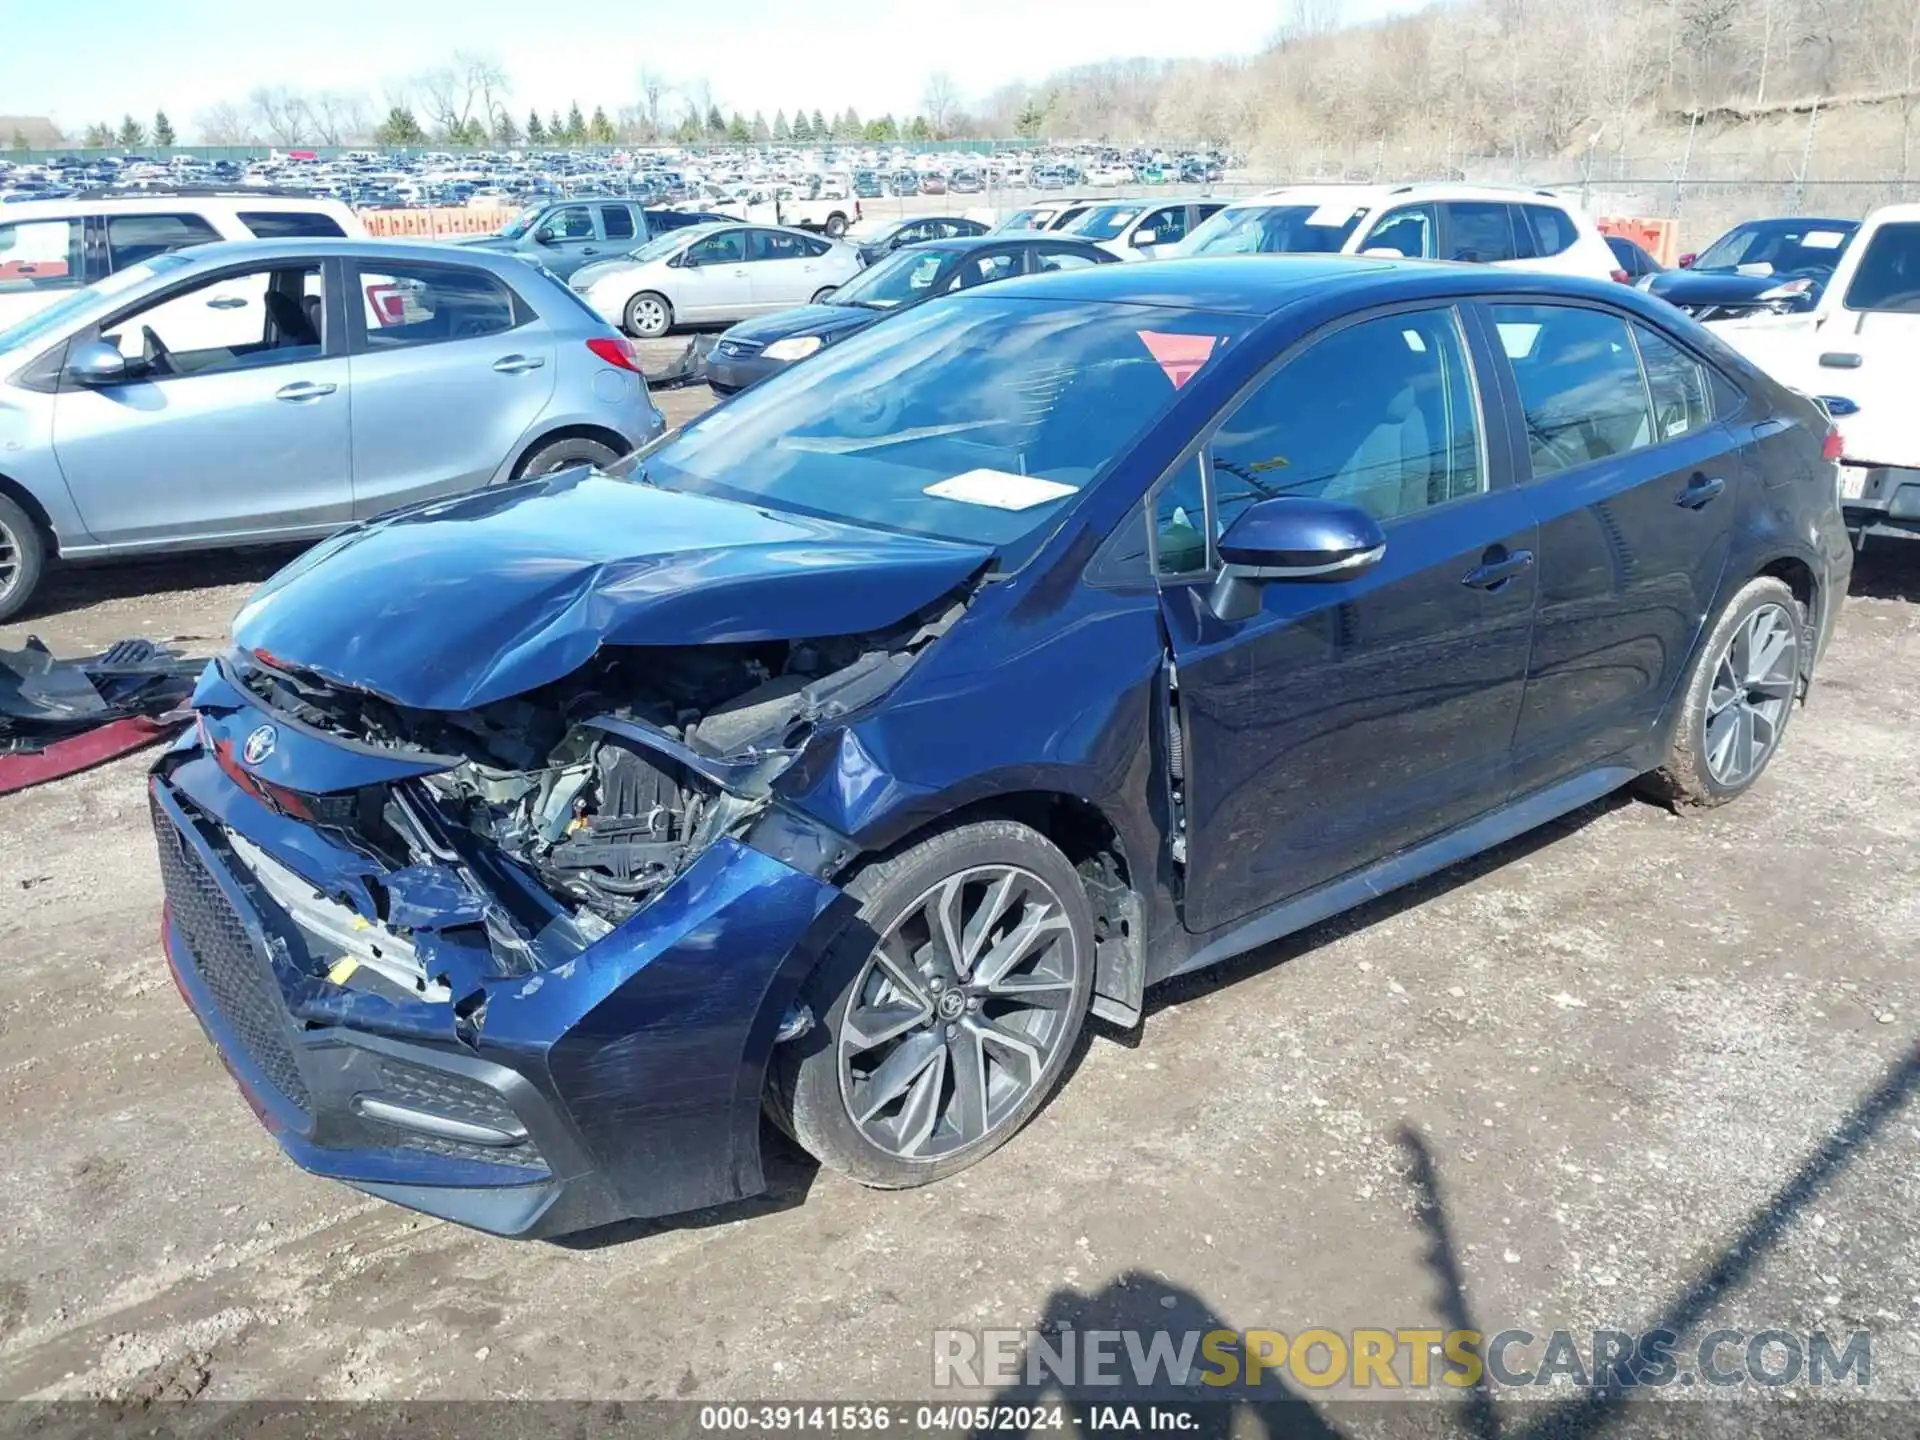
1686	261
1292	538
1146	237
543	236
95	362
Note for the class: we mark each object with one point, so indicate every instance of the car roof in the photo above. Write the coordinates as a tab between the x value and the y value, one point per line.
229	252
963	244
172	200
1373	196
1261	285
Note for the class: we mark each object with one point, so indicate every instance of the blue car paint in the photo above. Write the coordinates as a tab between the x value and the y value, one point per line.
508	589
1319	719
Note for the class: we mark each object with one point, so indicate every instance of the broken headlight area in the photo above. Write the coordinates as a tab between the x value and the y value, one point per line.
590	794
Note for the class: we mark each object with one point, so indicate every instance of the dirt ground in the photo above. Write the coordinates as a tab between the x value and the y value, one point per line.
1633	1070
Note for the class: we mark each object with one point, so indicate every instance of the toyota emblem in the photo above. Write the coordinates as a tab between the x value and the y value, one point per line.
260	744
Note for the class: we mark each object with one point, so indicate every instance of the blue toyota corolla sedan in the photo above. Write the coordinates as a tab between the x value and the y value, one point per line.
1045	642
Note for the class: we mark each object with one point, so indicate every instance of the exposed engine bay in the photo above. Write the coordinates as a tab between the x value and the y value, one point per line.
602	786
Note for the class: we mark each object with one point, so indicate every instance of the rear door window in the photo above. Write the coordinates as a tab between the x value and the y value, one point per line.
618	221
40	255
1478	232
406	305
1678	384
1579	382
778	245
291	225
1407	231
1889	273
133	238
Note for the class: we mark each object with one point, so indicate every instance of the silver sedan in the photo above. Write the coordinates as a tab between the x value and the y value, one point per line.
715	272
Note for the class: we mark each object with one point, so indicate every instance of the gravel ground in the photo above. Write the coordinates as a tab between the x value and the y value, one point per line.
1634	1069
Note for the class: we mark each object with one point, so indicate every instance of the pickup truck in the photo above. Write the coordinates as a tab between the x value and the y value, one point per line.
825	211
563	235
1858	351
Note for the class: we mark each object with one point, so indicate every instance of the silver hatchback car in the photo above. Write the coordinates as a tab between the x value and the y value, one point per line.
265	391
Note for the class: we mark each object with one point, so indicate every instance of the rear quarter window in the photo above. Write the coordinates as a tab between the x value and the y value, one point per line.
133	238
1552	228
291	225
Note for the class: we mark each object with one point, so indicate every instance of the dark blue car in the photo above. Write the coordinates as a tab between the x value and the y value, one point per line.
1764	267
755	349
1042	643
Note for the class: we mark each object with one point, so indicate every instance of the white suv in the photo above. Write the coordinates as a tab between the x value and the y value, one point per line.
1494	225
49	248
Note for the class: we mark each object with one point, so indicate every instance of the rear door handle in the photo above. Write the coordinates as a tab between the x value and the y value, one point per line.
303	390
1492	574
518	364
1701	491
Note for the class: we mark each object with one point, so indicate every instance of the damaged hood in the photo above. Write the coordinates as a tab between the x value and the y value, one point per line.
459	603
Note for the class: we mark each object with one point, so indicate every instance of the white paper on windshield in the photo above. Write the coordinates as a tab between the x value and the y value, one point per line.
1331	215
1822	240
998	489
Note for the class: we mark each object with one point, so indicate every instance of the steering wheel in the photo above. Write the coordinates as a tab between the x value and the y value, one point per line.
153	350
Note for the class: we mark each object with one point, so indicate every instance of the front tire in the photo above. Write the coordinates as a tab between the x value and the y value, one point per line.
649	316
23	558
836	225
821	295
948	1009
1738	699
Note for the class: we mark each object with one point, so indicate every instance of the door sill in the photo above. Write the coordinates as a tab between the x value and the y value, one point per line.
1336	896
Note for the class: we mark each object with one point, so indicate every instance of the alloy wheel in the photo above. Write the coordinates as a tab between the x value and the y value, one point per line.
649	315
9	561
1753	686
959	1013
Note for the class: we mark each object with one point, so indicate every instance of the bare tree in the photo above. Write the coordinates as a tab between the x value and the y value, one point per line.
281	113
224	123
467	87
940	101
338	116
655	89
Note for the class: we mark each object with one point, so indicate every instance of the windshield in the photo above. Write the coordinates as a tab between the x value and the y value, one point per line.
520	223
95	297
1777	247
1275	230
663	244
1103	222
975	419
1033	218
903	277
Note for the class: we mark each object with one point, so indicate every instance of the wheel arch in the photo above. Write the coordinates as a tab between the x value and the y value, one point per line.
600	434
36	512
1110	870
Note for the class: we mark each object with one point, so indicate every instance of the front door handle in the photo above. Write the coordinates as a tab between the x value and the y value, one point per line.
226	302
518	364
1491	574
1701	491
303	390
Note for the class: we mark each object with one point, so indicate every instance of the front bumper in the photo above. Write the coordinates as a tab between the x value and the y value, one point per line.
1888	502
730	374
626	1082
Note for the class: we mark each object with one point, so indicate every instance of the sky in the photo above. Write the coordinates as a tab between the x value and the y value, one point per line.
81	62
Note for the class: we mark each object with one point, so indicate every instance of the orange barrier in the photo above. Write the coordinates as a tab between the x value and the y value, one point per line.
435	221
1659	238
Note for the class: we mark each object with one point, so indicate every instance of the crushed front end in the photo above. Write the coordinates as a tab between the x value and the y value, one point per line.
522	966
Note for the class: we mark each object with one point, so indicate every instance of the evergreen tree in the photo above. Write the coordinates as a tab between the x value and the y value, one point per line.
882	130
919	129
506	134
782	132
600	128
163	135
738	131
19	138
850	127
716	123
98	136
556	129
1029	120
536	132
399	128
820	131
689	132
576	125
758	130
802	131
132	133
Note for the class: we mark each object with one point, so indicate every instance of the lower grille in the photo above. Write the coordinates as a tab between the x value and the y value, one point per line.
457	1098
236	973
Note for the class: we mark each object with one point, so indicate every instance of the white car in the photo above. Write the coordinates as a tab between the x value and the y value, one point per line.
51	248
1488	224
1858	351
1141	229
1111	175
709	272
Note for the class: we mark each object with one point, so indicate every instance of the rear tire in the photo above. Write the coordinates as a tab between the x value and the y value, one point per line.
820	295
560	454
23	558
940	1064
649	316
1738	700
836	225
